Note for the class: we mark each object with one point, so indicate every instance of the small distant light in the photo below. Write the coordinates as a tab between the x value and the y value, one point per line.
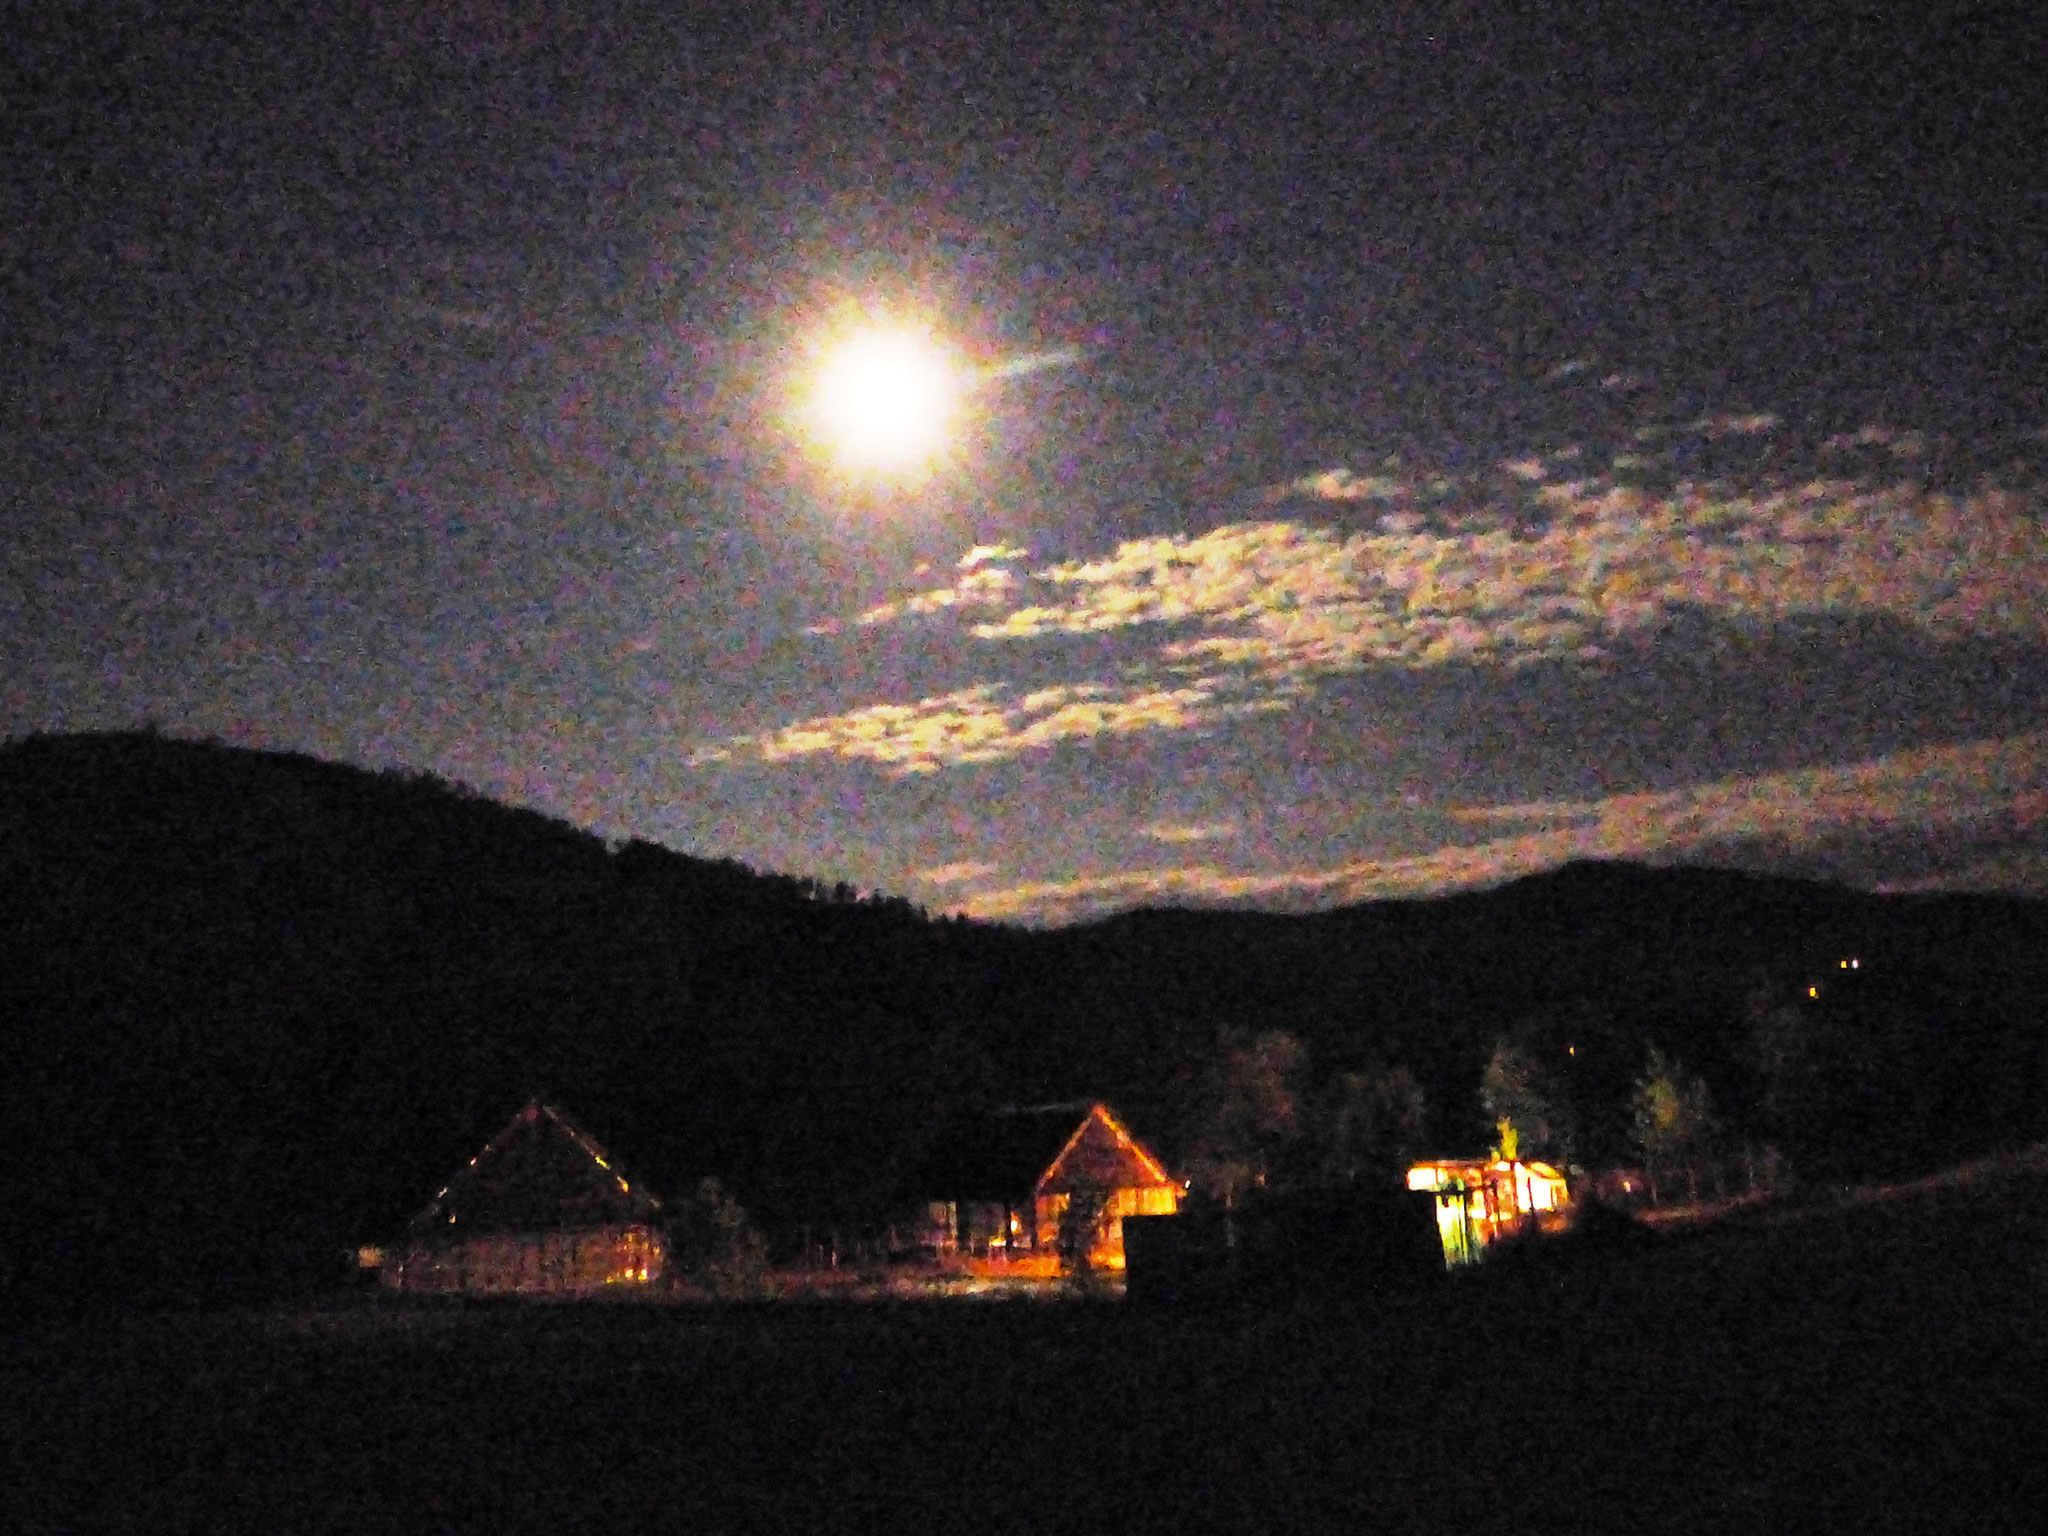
1813	991
1571	1050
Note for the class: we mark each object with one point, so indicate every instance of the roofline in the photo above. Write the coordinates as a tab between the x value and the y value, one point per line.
1099	1109
535	1109
1486	1163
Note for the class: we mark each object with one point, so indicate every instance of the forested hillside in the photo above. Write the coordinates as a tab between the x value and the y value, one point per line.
254	1006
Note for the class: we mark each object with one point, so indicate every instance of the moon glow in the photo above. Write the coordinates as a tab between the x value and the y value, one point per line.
884	400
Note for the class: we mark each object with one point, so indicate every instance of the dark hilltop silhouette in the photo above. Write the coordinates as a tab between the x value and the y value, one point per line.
254	1004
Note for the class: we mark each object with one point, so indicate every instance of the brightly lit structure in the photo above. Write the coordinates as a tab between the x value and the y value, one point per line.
541	1210
1005	1182
1481	1200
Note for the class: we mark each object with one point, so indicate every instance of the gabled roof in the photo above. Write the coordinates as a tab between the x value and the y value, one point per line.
540	1173
1015	1154
1101	1154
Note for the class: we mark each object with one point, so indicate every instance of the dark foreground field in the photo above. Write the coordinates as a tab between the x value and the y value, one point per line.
1873	1367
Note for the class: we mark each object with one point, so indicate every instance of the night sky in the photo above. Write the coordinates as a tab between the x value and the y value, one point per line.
1436	441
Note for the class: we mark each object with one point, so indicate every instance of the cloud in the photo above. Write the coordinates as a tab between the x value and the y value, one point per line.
1747	424
985	723
962	873
1934	792
1567	567
1035	362
1904	445
1199	832
1345	485
983	587
1295	600
1535	811
983	553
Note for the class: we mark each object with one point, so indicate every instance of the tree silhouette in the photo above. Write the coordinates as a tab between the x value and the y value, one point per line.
1370	1127
1254	1116
1524	1104
1080	1227
1673	1117
713	1244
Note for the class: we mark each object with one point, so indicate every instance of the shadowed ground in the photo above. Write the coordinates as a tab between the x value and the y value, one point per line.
1856	1366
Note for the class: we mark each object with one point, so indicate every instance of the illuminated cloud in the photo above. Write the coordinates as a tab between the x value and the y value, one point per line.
981	554
1565	567
1035	362
1932	791
1199	832
984	587
962	873
1295	600
983	724
1345	485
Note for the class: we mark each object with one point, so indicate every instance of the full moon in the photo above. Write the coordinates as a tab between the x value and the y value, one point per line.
883	400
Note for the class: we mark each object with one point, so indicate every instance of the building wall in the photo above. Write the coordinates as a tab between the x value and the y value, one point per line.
1480	1202
533	1264
1108	1253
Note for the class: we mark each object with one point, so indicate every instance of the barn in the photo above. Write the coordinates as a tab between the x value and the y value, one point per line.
541	1210
999	1186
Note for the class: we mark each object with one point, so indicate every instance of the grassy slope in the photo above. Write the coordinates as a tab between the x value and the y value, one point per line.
1865	1366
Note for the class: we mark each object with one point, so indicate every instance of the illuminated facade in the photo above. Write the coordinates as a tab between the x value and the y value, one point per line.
1011	1177
1478	1202
542	1210
1102	1159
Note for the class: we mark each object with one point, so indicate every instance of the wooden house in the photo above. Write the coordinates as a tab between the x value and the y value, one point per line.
998	1186
541	1210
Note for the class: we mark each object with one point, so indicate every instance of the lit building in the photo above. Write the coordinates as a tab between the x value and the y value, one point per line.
541	1210
1480	1201
999	1186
